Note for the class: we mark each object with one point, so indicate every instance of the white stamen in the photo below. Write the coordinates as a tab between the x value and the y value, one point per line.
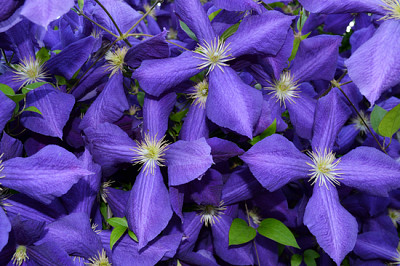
210	213
214	54
359	125
99	260
20	256
284	89
200	93
393	9
30	70
150	152
323	168
115	60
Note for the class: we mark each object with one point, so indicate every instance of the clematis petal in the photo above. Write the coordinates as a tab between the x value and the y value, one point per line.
194	126
49	253
375	245
45	175
148	210
55	107
263	34
158	75
10	147
156	112
238	5
275	161
5	226
187	160
338	6
6	110
374	67
231	103
109	105
192	13
191	229
222	150
208	189
316	58
330	115
44	12
370	170
333	226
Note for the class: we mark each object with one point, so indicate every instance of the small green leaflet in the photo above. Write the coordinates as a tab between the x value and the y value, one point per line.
376	117
140	98
17	97
80	4
116	234
214	14
118	221
296	260
177	117
32	86
43	54
296	44
390	123
7	90
266	133
230	31
186	29
120	227
240	232
32	109
277	231
310	256
302	20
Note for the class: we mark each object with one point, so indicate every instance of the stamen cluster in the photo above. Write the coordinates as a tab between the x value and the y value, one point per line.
200	93
284	89
99	260
393	9
30	70
115	60
210	213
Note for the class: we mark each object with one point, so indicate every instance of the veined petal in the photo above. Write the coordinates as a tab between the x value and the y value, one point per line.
265	34
370	170
333	226
149	210
187	160
275	161
375	245
193	14
339	6
238	5
194	126
231	103
374	66
5	226
158	75
6	110
330	115
45	175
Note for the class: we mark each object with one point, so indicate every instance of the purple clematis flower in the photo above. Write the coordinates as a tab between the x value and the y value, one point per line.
275	161
241	103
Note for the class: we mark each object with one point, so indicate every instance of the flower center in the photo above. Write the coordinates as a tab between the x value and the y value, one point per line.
214	54
30	70
284	89
358	123
115	60
104	190
394	216
150	152
253	213
393	9
200	93
99	260
323	168
210	213
20	256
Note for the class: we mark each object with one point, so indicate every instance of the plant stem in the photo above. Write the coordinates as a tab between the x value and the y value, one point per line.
144	16
97	24
254	242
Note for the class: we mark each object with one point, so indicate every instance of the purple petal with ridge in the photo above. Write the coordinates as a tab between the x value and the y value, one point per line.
208	189
156	113
10	147
222	149
148	210
330	115
71	58
194	126
187	160
55	107
193	14
316	58
238	5
5	226
6	110
117	200
110	145
375	245
231	103
275	161
260	34
45	175
374	65
370	170
10	13
333	226
49	253
109	106
45	11
20	37
339	6
191	229
158	75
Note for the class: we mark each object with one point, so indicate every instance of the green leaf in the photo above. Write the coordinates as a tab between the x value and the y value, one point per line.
303	37
310	256
390	123
17	97
7	90
103	210
140	98
116	234
186	29
60	80
32	109
56	51
214	14
177	117
296	44
303	20
266	133
296	260
277	231
376	117
43	54
132	235
240	232
118	221
32	86
80	4
229	31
